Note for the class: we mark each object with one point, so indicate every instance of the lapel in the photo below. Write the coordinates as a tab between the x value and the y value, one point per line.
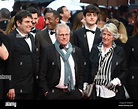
85	41
73	56
46	36
21	40
115	59
97	37
58	58
32	42
23	43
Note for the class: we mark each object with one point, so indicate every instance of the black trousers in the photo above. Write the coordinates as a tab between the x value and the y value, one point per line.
132	91
61	94
23	96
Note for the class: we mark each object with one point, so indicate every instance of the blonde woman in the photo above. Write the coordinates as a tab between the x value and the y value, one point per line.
121	30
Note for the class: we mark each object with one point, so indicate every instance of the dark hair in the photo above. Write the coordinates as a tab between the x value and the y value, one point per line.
60	9
21	15
55	13
32	10
46	9
91	9
135	31
5	13
123	9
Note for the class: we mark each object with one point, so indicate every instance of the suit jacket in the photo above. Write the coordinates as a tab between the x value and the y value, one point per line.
80	40
50	67
132	55
42	39
21	63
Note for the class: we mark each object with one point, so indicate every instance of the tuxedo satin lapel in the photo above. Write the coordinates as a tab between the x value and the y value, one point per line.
32	42
74	57
58	59
97	33
85	39
23	43
20	40
47	37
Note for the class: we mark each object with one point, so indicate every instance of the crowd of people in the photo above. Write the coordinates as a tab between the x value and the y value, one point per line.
48	56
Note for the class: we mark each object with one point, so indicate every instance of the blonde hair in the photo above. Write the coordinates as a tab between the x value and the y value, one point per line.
10	26
121	30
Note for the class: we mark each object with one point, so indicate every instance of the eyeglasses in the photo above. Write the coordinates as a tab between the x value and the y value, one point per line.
62	35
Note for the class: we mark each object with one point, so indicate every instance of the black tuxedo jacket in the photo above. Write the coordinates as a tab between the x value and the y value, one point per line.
50	67
21	63
42	39
80	40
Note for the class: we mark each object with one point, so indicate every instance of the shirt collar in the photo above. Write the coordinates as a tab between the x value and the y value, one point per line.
94	29
23	35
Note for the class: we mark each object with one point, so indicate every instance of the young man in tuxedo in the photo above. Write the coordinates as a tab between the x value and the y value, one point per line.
88	36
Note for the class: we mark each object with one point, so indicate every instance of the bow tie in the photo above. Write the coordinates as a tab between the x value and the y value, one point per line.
26	36
87	30
33	31
51	32
68	24
62	47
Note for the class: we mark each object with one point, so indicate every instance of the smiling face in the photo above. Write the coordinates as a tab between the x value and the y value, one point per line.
63	35
25	26
35	19
51	21
107	38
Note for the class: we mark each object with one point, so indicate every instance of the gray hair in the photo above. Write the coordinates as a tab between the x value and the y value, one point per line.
112	29
61	25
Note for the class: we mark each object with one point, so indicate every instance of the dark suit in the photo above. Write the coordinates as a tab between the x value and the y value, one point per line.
80	40
50	68
131	48
22	64
34	31
42	39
